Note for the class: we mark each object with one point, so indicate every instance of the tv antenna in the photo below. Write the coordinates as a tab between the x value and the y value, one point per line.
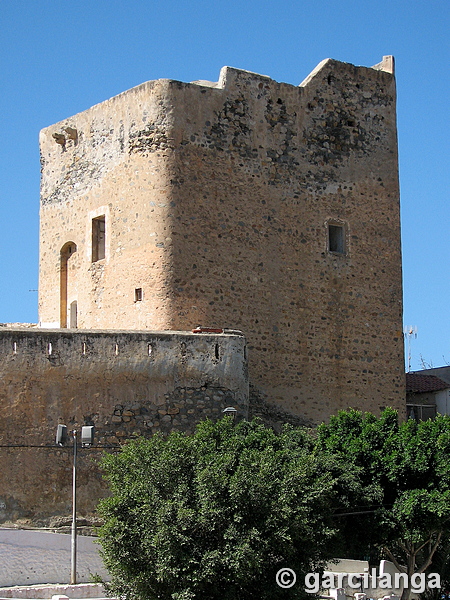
410	332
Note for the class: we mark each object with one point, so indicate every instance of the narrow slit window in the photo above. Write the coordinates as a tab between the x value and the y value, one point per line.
138	295
98	238
336	239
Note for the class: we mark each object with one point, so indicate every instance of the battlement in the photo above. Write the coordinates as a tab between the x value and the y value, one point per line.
228	78
24	339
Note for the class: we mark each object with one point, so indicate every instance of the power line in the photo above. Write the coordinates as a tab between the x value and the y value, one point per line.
50	447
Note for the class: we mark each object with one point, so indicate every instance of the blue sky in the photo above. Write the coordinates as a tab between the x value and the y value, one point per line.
60	58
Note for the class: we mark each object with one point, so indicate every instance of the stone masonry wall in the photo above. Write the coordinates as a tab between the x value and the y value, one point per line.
126	384
217	199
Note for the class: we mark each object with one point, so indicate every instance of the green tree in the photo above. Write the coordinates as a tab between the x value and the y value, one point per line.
441	565
216	514
404	469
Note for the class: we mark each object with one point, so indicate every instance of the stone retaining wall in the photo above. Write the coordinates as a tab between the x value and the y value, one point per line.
125	384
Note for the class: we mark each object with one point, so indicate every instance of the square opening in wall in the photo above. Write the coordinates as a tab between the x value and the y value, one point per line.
336	239
138	295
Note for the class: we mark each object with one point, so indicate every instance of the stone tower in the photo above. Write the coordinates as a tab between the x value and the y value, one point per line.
245	204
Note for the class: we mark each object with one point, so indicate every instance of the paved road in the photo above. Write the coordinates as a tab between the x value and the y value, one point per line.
32	557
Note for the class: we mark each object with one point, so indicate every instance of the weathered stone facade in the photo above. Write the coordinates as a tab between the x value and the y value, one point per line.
220	203
126	384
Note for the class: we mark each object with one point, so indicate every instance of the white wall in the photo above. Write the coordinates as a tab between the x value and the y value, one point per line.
443	402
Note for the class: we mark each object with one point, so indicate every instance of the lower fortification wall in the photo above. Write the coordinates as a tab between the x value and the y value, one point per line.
125	384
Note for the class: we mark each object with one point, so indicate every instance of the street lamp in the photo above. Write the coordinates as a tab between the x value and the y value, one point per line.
230	411
87	439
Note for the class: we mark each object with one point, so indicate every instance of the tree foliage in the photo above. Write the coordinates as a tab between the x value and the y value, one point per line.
216	514
405	470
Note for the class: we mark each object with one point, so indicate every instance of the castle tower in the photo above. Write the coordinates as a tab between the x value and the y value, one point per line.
245	204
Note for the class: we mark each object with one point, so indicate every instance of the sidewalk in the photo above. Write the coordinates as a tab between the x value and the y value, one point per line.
44	592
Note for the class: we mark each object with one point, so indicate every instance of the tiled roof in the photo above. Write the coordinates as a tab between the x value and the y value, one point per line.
424	383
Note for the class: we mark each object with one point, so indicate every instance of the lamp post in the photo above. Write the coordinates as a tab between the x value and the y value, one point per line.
87	439
73	530
230	411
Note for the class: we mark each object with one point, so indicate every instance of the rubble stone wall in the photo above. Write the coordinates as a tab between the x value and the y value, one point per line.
125	384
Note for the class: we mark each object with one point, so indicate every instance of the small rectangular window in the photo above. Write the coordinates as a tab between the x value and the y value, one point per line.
138	295
98	238
73	315
336	239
